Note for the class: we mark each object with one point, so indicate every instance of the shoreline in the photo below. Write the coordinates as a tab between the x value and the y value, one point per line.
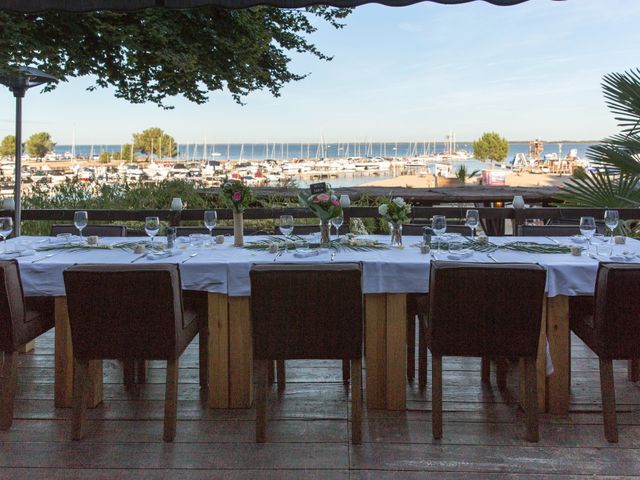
512	180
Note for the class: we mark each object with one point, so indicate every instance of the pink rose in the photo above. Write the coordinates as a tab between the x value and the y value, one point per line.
237	196
323	197
335	202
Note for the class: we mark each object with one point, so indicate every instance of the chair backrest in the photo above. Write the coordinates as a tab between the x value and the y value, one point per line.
124	311
307	311
480	309
547	230
415	229
12	309
99	230
617	310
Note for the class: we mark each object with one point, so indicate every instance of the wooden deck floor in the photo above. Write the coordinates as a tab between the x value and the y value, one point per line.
309	430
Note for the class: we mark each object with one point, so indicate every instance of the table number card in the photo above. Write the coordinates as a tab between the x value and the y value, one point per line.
318	188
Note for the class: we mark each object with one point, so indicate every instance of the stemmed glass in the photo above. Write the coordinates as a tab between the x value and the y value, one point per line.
337	222
210	220
611	220
80	220
6	227
472	220
588	228
286	228
152	226
439	226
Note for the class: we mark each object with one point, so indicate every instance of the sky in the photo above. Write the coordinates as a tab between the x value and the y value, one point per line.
399	74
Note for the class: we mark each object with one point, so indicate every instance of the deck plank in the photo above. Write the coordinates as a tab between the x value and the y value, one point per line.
309	429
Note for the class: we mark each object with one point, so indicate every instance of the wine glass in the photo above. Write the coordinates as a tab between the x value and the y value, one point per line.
152	226
6	227
80	220
337	222
439	226
472	220
210	220
611	219
588	228
286	228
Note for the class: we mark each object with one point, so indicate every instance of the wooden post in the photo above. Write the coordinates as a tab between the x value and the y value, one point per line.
240	353
608	392
558	336
396	341
218	368
375	348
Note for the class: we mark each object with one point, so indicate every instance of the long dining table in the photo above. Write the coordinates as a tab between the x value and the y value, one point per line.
221	271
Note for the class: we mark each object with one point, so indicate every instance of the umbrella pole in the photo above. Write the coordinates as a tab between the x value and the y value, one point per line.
18	173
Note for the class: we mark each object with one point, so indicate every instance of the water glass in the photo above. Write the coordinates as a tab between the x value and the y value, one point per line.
611	220
588	228
80	220
210	220
6	227
439	226
152	226
472	220
286	228
337	222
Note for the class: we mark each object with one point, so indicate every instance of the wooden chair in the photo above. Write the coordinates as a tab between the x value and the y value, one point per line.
307	311
129	312
416	308
99	230
609	324
22	319
474	312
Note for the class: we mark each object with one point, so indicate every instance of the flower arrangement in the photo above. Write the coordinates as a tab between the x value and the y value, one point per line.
324	205
396	211
236	194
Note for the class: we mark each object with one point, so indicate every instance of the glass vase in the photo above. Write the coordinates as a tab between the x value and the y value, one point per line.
396	234
325	233
238	229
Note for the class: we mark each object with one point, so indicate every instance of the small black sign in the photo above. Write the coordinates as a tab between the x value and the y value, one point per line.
318	188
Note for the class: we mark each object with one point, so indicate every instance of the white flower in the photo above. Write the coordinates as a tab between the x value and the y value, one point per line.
399	201
383	209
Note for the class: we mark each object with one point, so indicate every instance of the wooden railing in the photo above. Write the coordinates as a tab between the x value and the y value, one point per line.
494	219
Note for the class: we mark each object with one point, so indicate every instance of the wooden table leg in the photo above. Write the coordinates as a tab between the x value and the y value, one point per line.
396	361
63	379
240	353
558	335
375	307
218	368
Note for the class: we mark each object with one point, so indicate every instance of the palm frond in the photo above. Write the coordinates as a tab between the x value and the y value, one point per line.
622	96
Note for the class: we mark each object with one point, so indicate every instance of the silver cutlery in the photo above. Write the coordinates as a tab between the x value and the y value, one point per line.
139	258
277	255
333	255
189	257
434	256
553	240
492	257
49	255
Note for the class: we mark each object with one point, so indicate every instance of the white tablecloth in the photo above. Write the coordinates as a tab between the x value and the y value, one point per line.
225	269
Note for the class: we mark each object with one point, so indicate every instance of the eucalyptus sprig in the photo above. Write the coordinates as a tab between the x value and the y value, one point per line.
347	242
524	247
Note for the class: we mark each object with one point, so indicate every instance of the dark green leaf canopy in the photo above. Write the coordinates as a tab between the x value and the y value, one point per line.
32	6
